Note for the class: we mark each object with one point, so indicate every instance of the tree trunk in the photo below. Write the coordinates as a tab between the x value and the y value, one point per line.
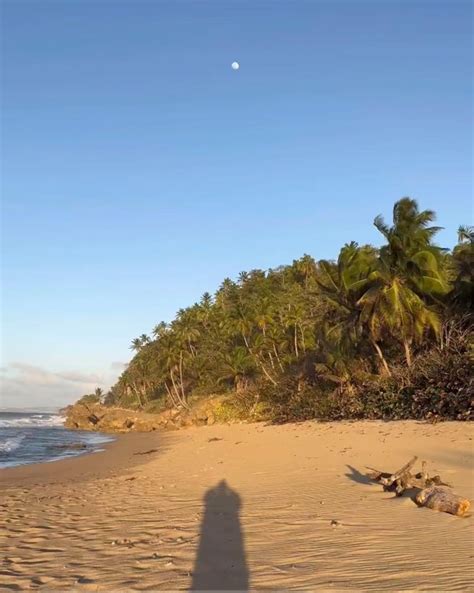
171	396
267	374
406	345
178	397
302	339
278	357
241	383
270	358
382	358
137	395
181	375
258	361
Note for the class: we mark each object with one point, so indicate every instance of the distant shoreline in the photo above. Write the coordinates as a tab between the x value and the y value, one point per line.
115	455
28	438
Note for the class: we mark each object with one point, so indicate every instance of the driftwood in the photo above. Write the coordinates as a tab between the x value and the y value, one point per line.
432	493
403	479
440	498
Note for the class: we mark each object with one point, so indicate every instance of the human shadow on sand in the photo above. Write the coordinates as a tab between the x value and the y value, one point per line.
221	562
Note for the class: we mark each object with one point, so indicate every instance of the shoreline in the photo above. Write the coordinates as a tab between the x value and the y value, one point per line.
240	506
118	455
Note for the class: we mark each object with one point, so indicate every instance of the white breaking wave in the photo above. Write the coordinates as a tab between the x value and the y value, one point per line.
45	420
10	444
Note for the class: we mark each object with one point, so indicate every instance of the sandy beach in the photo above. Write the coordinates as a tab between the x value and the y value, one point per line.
240	507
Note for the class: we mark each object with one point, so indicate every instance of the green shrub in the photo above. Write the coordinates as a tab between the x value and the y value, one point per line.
439	386
90	398
155	406
228	411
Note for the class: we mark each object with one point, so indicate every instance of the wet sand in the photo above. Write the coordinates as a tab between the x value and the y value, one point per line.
240	507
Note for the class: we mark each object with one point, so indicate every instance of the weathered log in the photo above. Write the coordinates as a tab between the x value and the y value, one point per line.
441	498
433	493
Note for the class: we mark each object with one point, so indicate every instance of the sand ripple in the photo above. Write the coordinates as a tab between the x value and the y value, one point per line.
306	516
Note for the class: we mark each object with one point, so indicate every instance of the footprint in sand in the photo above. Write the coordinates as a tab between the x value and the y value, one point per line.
87	584
41	580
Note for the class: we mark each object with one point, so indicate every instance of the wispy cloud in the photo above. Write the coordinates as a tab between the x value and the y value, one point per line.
118	366
29	386
76	377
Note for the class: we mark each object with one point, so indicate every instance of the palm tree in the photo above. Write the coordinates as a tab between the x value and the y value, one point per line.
136	345
206	301
306	268
186	328
336	369
462	294
344	282
174	354
410	231
410	252
390	308
239	368
159	330
409	271
243	277
465	234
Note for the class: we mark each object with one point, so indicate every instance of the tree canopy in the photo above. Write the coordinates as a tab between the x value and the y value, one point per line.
319	323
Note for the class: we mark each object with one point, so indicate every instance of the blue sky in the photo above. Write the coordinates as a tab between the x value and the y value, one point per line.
139	169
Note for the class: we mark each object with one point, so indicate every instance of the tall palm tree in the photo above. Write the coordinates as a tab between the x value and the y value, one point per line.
136	345
410	252
410	231
343	282
174	355
465	234
206	301
306	267
159	330
390	308
409	271
462	294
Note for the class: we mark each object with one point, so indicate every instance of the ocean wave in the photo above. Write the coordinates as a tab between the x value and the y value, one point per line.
11	444
45	420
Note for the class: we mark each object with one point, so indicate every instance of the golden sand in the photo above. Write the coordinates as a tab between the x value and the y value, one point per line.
238	507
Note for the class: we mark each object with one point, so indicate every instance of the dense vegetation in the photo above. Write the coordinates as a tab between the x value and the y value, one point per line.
378	333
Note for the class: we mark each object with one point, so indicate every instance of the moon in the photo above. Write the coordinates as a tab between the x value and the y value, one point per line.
235	65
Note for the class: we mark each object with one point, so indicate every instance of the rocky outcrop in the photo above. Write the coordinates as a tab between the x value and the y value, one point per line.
104	419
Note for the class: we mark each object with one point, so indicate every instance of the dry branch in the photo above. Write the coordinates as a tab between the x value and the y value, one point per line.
432	491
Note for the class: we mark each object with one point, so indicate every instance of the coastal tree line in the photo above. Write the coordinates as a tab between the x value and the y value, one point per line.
358	336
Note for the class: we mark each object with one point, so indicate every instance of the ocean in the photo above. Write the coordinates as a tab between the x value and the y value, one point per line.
34	437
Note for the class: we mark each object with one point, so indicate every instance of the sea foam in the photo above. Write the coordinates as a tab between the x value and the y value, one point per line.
11	444
43	420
